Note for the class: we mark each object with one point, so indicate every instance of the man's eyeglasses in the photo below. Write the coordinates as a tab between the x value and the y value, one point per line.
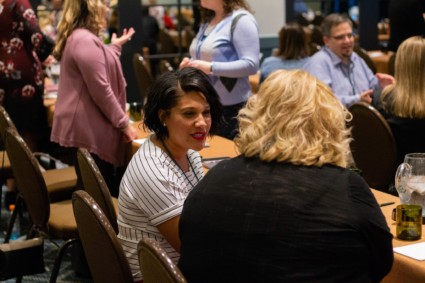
343	36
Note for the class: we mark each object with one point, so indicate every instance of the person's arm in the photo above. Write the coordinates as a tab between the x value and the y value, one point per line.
157	192
170	230
247	46
42	44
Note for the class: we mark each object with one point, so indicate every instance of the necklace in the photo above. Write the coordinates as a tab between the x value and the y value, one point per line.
181	169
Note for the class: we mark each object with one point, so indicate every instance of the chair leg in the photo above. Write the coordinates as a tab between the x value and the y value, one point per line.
58	260
13	218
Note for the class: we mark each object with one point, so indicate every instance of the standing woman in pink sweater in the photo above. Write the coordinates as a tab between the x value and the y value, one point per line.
90	110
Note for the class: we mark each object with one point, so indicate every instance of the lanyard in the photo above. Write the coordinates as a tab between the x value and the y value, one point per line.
181	169
350	75
200	41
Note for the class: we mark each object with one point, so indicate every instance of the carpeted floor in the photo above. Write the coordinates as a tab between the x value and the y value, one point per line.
66	273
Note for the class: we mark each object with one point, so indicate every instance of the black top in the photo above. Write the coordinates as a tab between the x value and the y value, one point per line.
409	135
252	221
406	20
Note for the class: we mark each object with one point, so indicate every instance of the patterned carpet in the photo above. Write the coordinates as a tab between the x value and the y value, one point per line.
66	273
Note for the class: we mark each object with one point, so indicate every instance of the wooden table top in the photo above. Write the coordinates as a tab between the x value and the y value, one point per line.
405	269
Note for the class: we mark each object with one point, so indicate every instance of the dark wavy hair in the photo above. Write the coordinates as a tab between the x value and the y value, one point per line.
166	92
228	6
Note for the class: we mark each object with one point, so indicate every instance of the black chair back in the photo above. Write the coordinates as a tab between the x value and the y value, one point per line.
373	147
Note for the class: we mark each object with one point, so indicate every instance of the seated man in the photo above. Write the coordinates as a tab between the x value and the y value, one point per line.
342	69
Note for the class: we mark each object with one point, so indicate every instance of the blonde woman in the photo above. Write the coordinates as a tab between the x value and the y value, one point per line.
90	110
404	101
286	209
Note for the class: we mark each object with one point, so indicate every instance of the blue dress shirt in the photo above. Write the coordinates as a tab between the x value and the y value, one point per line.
347	81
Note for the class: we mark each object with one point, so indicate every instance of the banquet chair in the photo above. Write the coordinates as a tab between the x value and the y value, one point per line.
143	75
60	182
49	220
155	265
373	147
95	185
165	66
105	255
167	47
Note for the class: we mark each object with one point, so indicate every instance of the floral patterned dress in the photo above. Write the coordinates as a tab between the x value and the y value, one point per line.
22	48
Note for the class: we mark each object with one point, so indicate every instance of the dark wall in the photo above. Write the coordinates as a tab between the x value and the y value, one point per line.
130	15
368	19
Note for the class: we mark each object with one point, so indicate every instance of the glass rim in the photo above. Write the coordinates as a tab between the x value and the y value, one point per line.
409	206
415	155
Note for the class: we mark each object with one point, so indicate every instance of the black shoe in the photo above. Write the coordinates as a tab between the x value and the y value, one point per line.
9	198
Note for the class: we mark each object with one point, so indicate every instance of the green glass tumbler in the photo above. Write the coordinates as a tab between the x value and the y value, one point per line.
409	222
136	111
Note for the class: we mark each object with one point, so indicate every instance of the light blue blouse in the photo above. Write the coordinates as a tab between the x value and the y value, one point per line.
235	55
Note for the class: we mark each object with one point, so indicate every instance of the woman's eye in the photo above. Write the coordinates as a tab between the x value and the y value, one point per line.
188	114
207	113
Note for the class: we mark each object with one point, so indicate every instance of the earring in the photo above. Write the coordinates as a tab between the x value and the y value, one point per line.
165	125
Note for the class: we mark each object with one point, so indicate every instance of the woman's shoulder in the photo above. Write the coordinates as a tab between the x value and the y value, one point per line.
242	13
83	36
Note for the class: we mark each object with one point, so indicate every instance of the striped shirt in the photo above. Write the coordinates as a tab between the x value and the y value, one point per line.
152	191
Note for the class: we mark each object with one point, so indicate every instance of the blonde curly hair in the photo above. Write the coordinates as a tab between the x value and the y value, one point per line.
294	118
88	14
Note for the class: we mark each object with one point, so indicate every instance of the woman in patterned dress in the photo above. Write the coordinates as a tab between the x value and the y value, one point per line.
22	49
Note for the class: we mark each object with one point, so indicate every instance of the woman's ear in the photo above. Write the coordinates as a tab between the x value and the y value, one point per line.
162	114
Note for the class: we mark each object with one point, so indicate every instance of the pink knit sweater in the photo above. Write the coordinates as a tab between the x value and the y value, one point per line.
90	109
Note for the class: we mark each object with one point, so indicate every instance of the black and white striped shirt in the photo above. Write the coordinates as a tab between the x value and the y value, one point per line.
152	191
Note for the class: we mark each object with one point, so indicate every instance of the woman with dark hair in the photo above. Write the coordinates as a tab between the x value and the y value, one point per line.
227	48
292	54
181	110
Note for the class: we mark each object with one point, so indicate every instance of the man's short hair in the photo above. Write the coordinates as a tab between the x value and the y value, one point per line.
332	20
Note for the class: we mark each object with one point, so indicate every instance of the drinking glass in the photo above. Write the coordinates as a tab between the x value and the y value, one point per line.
136	111
410	179
409	222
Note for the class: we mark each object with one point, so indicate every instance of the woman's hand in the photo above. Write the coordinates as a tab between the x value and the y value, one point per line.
184	63
385	79
129	133
124	38
50	60
204	66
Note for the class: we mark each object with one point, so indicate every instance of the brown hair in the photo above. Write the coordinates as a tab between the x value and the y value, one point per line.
406	97
88	14
292	42
228	6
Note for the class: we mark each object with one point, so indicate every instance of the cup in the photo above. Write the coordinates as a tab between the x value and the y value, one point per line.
409	222
136	111
410	179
